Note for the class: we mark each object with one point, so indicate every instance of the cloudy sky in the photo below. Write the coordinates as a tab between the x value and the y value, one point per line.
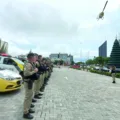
52	26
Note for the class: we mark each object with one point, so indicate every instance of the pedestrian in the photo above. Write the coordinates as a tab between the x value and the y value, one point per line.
29	73
113	73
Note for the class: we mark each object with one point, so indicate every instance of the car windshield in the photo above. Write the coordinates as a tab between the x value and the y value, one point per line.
1	75
17	60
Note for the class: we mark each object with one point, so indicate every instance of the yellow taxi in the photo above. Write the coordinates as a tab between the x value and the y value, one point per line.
18	64
9	80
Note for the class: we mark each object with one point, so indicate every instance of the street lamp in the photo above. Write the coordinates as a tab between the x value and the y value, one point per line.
80	51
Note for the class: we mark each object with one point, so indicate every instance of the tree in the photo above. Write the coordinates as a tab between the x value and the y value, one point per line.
79	63
61	62
106	60
89	62
56	62
72	63
115	55
99	60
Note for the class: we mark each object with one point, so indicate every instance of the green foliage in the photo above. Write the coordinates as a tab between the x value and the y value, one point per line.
58	62
72	63
100	72
106	60
89	62
98	60
105	73
61	62
79	63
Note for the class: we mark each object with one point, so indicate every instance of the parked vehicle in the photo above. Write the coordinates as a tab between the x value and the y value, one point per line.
96	68
18	64
9	80
105	69
76	66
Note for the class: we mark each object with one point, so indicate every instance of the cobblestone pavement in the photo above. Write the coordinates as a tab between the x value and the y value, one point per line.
70	95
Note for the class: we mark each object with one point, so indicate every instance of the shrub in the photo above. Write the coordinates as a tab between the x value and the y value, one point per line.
100	72
105	73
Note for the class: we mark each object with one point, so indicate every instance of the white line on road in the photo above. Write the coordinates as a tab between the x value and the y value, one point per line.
66	78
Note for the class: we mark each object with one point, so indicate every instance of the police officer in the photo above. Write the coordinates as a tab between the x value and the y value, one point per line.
41	69
46	71
38	81
49	71
28	72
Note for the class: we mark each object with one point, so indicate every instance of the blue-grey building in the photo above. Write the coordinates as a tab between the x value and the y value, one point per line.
103	50
62	56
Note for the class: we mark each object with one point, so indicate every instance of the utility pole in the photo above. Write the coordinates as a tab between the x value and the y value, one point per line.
88	54
80	51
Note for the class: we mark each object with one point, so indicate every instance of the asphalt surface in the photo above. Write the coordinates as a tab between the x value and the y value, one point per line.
70	95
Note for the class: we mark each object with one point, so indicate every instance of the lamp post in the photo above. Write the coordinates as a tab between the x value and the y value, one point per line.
80	51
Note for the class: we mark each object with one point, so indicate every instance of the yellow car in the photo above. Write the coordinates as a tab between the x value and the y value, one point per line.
9	80
19	63
12	61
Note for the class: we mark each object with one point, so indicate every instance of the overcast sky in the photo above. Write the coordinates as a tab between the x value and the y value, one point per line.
52	26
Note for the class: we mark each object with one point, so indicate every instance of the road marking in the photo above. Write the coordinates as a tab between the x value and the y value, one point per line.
66	78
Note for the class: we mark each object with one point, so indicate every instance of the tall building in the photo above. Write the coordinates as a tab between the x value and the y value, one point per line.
103	50
3	47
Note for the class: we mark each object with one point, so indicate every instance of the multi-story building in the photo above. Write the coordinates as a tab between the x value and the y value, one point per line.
54	57
71	58
103	50
65	57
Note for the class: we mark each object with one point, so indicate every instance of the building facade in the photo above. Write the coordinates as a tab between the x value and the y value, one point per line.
54	57
103	50
68	59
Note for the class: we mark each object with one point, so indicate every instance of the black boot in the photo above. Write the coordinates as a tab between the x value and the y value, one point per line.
113	82
28	116
33	100
31	111
32	106
37	97
39	94
42	88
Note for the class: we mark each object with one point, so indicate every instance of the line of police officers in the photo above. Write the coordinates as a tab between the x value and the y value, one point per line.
37	71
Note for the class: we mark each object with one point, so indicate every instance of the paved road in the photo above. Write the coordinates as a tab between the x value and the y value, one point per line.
70	95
